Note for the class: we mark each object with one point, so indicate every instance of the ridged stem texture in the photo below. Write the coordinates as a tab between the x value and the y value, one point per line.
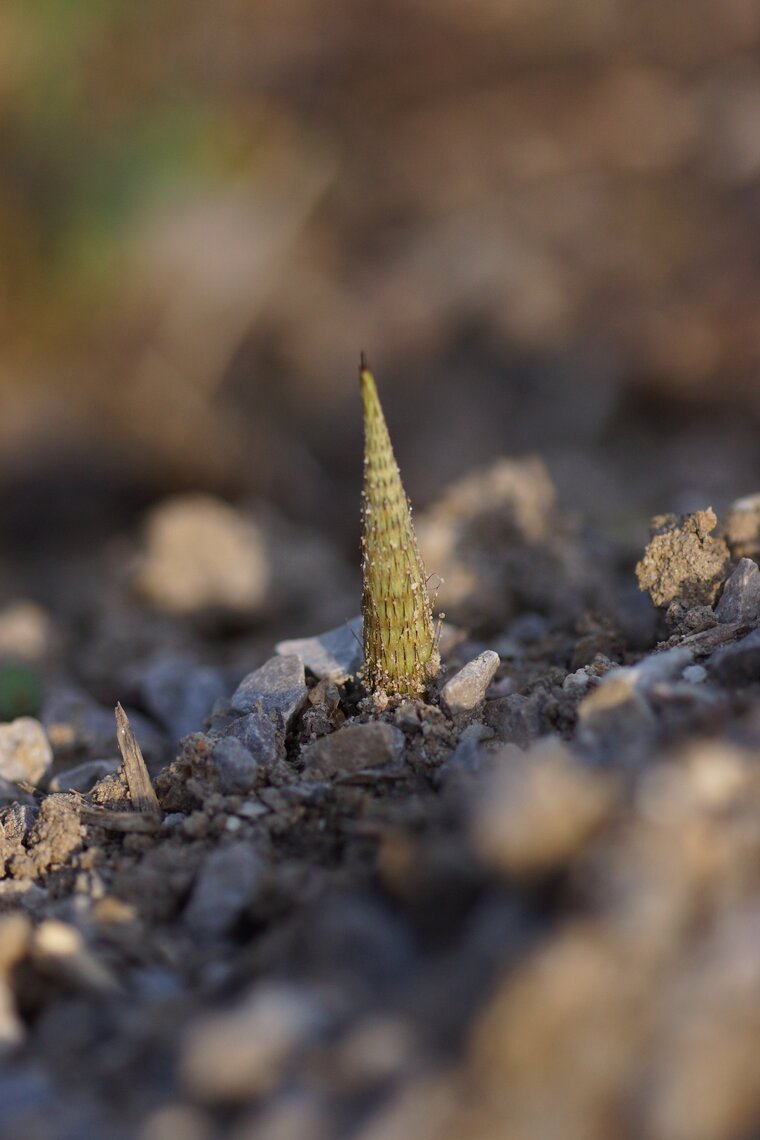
400	651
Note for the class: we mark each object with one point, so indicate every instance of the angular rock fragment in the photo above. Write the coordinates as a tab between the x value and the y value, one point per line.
278	688
740	600
226	883
25	752
535	812
237	769
258	734
682	562
466	689
336	654
353	748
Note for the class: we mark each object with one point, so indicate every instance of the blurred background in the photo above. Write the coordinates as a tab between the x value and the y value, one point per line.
540	218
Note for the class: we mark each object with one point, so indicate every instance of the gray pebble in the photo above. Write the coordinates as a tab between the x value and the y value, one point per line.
740	600
179	693
25	752
737	663
337	653
84	776
616	723
516	719
226	884
469	758
466	689
279	687
258	734
354	747
236	767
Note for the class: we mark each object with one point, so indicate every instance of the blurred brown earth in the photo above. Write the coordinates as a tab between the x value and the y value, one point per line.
539	218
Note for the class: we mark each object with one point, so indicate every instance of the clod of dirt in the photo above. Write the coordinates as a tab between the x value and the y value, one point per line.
682	562
55	836
502	547
202	554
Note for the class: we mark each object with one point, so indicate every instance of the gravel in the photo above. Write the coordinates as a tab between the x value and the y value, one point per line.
467	689
352	748
335	654
225	886
25	752
740	600
278	688
237	768
179	693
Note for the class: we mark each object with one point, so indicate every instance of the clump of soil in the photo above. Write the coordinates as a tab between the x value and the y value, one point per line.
684	565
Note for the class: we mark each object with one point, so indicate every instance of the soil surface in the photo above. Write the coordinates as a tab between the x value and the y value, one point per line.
526	906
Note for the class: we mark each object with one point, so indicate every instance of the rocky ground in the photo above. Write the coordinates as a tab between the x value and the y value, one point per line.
526	908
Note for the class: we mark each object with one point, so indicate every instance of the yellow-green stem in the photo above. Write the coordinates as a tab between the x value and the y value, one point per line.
400	652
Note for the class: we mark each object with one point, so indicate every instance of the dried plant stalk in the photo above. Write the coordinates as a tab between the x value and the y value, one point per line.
400	651
141	790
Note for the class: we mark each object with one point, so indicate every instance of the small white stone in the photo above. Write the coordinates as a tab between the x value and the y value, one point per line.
25	752
466	689
240	1054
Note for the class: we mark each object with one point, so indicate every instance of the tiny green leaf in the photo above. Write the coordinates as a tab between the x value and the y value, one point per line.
400	651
